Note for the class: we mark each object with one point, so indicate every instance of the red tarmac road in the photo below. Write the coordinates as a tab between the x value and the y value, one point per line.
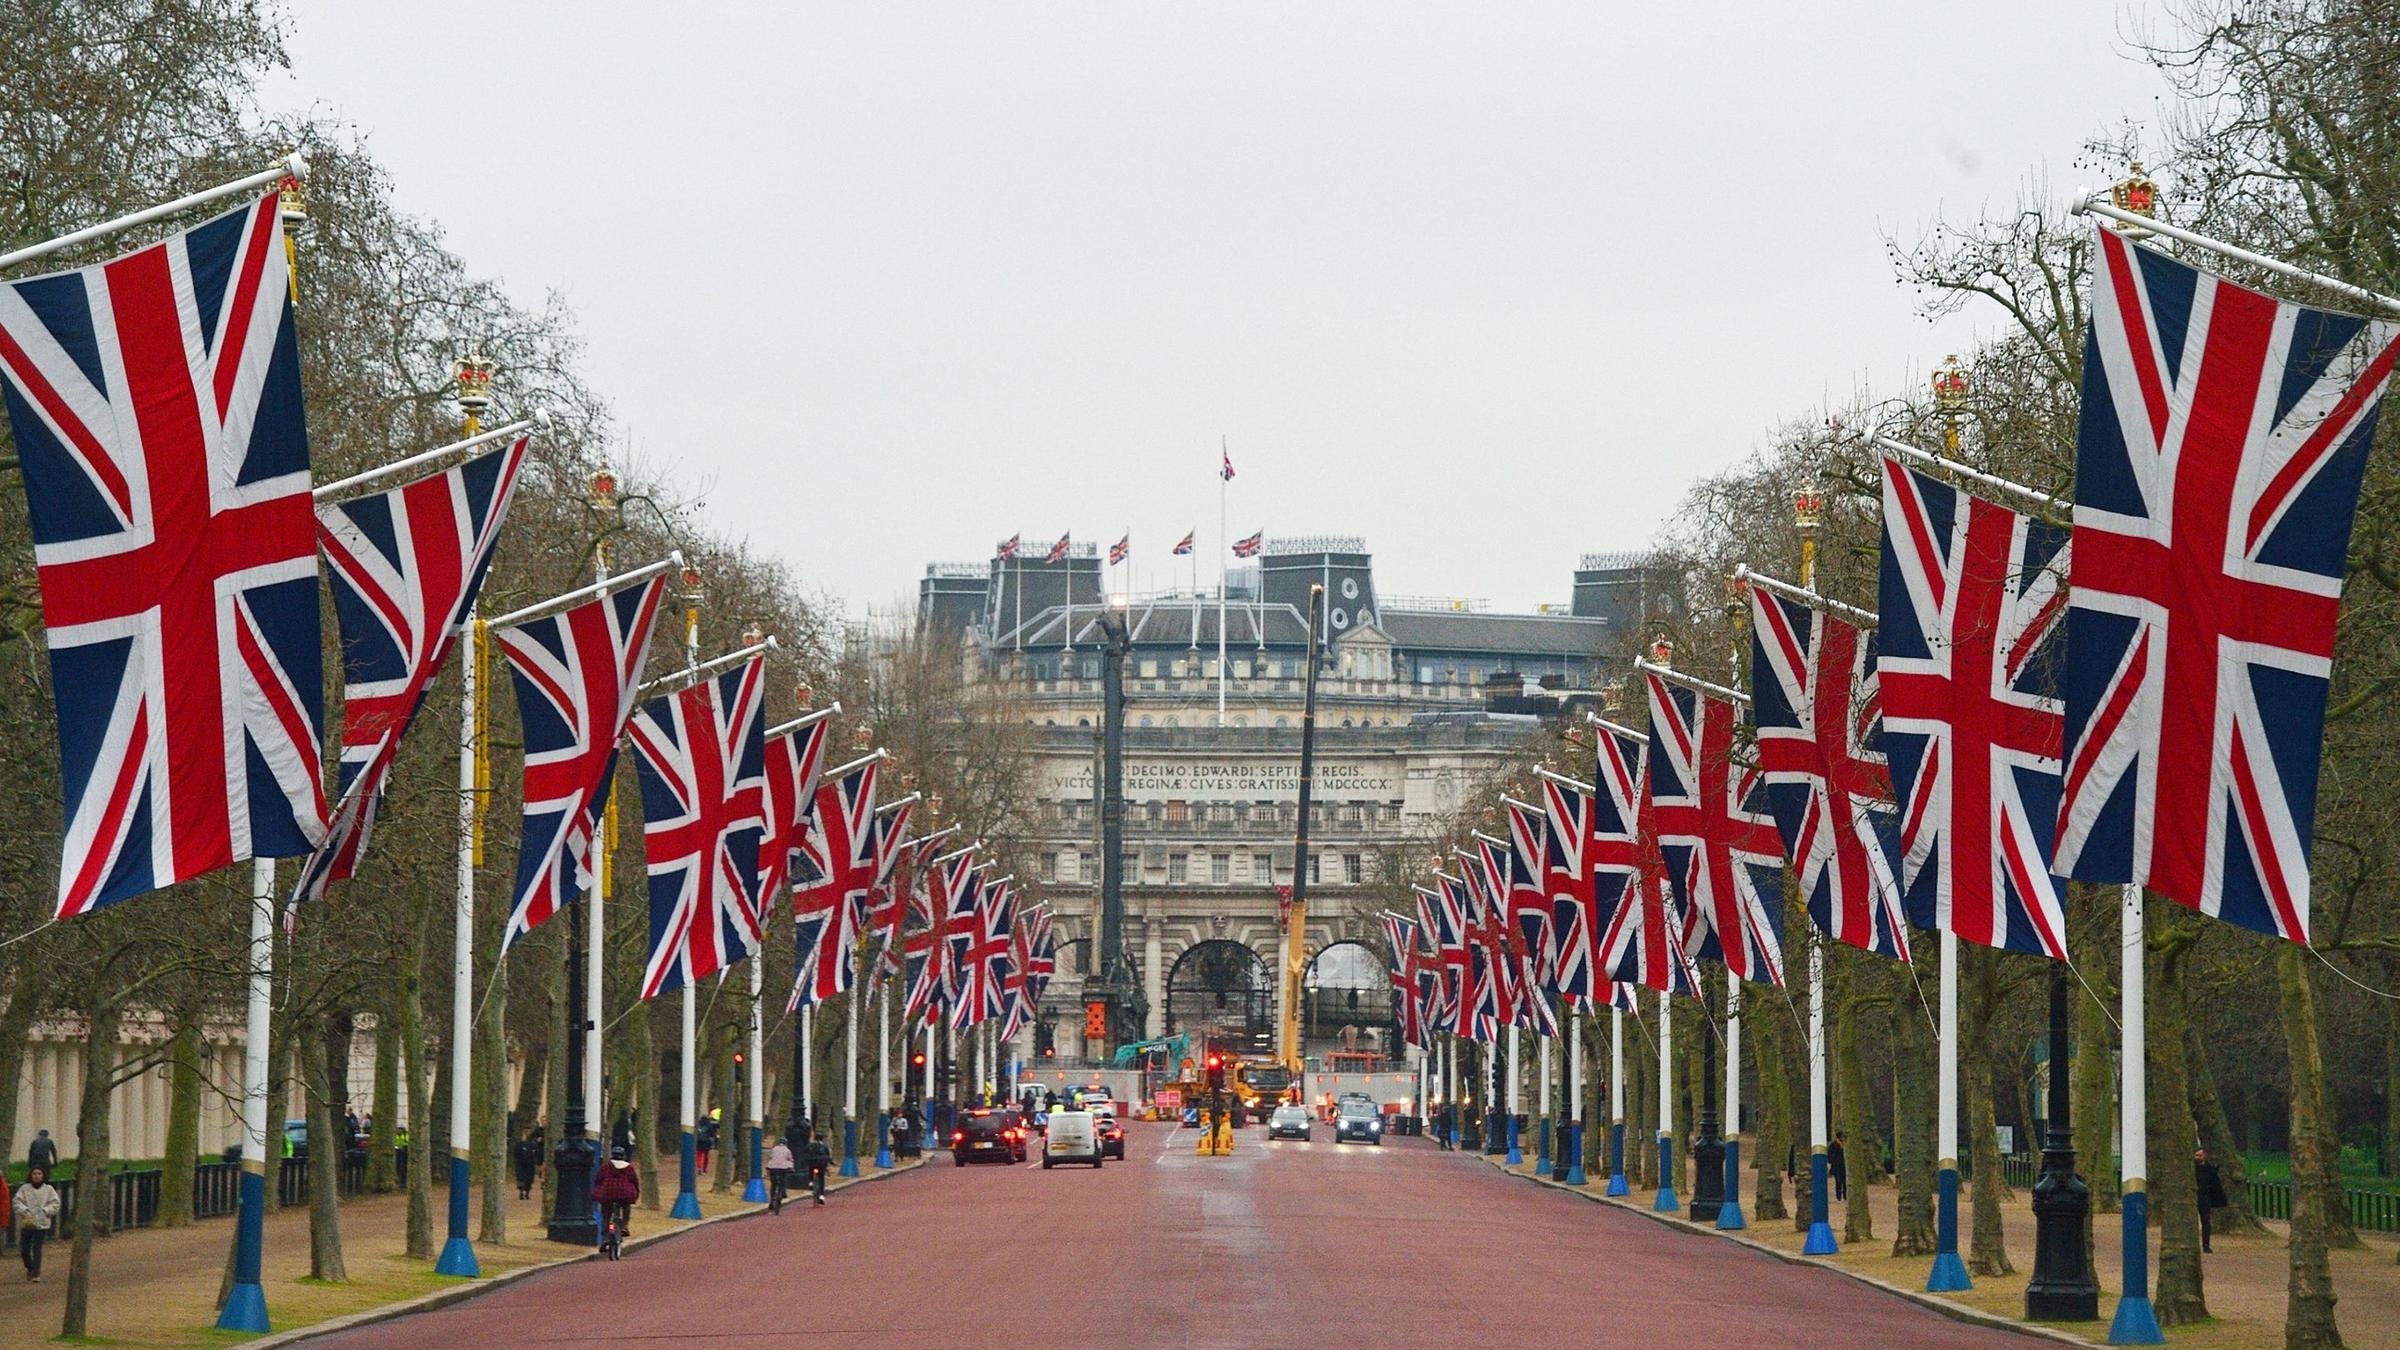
1280	1244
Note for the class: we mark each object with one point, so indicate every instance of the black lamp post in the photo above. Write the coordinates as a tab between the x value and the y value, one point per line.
1708	1152
2062	1288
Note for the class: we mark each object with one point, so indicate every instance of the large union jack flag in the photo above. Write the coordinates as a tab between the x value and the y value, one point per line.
981	956
406	565
1812	677
1571	871
2217	469
1972	598
831	877
925	953
1644	942
702	755
794	761
887	903
1443	979
1525	856
156	404
1041	955
1716	841
575	674
1516	946
1407	1011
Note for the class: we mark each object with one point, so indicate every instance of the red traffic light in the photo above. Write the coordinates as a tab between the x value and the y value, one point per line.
1216	1061
737	1058
917	1060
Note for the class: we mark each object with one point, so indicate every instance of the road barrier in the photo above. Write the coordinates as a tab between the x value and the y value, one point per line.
216	1191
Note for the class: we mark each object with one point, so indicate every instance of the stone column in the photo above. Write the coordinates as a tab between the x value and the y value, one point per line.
1154	977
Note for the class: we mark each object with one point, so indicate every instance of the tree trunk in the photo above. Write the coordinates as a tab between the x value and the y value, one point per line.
420	1104
91	1160
640	1093
1796	1092
25	996
1915	1148
2339	1231
2308	1308
2180	1297
490	1149
176	1173
554	1092
328	1070
1979	978
2095	1070
1862	1144
2216	1135
1774	1135
383	1136
2387	1160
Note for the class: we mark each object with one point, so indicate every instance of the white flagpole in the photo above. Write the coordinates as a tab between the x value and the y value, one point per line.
1616	1100
1948	1272
246	1305
294	165
458	1254
687	1171
808	1069
1224	573
850	1084
1576	1175
883	1080
1820	1240
1729	1214
1666	1202
1542	1164
1516	1153
2136	1321
755	1191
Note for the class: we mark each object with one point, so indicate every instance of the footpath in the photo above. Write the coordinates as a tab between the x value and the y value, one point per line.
2244	1278
158	1286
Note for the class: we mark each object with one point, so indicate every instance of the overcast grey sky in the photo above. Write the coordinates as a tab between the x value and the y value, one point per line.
1487	284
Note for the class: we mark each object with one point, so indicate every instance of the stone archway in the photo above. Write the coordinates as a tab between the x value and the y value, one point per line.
1348	985
1222	989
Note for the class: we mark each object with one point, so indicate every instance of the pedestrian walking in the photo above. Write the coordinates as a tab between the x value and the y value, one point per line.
1838	1163
528	1160
36	1208
779	1174
42	1152
2211	1189
819	1159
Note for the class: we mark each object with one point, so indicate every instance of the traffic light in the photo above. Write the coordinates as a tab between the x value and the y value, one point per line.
1216	1073
917	1060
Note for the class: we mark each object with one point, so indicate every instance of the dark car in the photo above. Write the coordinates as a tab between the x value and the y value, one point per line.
1359	1122
1290	1121
986	1135
1112	1138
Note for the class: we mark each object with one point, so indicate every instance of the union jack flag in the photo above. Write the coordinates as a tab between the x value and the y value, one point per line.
1708	819
795	759
925	953
832	874
1529	894
2217	469
888	903
1972	595
1586	855
1484	1005
156	404
407	565
1647	941
1248	548
701	753
1406	1009
1813	677
1184	549
1443	917
575	674
982	954
1041	955
1058	551
1010	545
1226	471
1117	551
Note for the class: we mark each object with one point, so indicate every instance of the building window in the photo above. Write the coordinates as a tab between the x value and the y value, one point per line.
1262	867
1220	868
1049	867
1179	812
1087	866
1149	670
1129	867
1176	869
1354	868
1313	869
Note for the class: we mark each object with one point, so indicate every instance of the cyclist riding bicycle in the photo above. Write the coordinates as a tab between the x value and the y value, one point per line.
616	1191
779	1173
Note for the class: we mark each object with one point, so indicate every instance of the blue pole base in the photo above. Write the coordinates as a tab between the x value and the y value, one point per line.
1573	1145
1541	1160
1729	1216
1516	1155
1616	1160
883	1158
1820	1240
883	1140
1949	1275
849	1167
755	1191
687	1168
246	1310
458	1258
1617	1186
1666	1203
2136	1322
687	1206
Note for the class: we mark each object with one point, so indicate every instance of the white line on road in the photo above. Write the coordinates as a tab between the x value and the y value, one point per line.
1170	1144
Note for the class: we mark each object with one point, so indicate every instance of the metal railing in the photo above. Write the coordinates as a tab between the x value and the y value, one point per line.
2370	1211
133	1194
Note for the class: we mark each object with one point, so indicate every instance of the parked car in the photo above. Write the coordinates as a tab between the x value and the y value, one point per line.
1290	1121
1112	1136
1359	1122
1074	1137
986	1135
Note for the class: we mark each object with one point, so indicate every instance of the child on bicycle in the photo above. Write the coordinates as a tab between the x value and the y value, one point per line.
618	1187
779	1174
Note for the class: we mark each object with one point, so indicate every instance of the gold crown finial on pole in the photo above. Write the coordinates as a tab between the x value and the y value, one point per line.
2135	192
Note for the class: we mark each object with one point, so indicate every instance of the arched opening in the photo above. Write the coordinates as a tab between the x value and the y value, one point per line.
1222	989
1346	1001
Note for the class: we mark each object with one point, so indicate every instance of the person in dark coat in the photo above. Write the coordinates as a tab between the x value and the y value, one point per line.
1838	1164
818	1159
2211	1190
43	1152
528	1159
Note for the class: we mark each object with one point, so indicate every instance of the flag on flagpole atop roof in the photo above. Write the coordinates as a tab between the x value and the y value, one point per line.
575	673
1225	467
1010	545
1972	600
1058	551
1248	548
701	756
1118	550
1812	680
2222	441
406	567
155	400
1184	548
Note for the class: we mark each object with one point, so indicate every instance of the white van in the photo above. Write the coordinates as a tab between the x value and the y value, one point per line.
1073	1137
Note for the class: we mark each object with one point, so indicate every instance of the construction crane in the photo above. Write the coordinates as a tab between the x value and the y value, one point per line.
1296	921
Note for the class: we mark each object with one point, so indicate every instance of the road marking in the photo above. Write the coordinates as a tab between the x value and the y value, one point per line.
1170	1144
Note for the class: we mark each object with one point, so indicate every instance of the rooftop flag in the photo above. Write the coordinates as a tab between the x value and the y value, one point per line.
1248	548
1058	551
1118	550
1184	549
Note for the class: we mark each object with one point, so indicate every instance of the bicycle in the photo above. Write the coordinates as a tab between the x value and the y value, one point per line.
775	1188
612	1234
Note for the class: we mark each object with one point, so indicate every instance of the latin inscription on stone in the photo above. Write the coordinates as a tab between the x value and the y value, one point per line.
1228	780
